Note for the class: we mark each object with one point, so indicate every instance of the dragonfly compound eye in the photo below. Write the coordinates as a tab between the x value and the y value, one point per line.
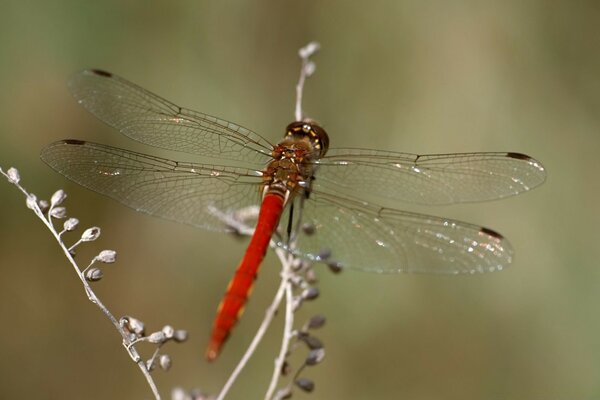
310	129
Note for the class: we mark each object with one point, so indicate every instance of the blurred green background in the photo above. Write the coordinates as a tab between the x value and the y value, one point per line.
415	76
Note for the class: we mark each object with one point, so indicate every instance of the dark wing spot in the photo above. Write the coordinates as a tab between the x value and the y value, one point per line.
74	141
518	156
491	233
102	73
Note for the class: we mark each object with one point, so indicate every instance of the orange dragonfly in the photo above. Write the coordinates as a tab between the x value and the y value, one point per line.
341	192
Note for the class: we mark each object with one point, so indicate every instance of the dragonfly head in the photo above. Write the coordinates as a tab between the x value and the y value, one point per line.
312	131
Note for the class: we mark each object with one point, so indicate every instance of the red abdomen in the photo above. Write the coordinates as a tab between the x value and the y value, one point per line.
239	288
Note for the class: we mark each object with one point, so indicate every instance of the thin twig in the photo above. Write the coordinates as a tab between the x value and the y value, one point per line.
133	353
288	326
306	69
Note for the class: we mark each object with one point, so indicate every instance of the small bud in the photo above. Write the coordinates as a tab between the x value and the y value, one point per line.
312	342
311	275
179	394
316	322
107	256
335	267
314	357
296	264
13	175
324	254
164	361
283	393
310	68
309	229
285	368
305	384
71	224
43	205
168	331
133	325
309	49
31	201
58	197
150	365
90	234
156	337
311	293
58	212
180	335
94	274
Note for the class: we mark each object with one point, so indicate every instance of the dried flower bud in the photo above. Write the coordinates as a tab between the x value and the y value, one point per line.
324	254
283	393
150	365
312	342
285	368
71	224
311	293
31	201
311	275
164	361
296	264
310	68
107	256
44	205
335	267
13	175
133	325
309	49
156	337
316	321
179	394
168	331
93	274
58	197
315	356
90	234
305	384
58	212
180	335
309	229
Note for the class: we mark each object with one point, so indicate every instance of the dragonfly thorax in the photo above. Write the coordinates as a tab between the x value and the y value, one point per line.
293	162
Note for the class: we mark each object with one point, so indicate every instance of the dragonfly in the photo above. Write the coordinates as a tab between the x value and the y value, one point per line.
343	194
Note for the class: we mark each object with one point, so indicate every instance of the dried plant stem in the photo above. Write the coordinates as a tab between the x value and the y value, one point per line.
306	69
286	260
131	350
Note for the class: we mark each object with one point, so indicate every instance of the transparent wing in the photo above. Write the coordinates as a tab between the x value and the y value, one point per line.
184	192
359	235
150	119
428	179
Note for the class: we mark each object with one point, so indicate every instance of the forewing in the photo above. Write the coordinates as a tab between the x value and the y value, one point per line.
357	235
189	193
428	179
150	119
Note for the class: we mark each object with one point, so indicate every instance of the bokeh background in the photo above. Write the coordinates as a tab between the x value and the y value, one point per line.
416	76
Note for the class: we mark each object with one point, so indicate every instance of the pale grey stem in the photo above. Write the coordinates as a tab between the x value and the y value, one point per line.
88	290
288	325
306	70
